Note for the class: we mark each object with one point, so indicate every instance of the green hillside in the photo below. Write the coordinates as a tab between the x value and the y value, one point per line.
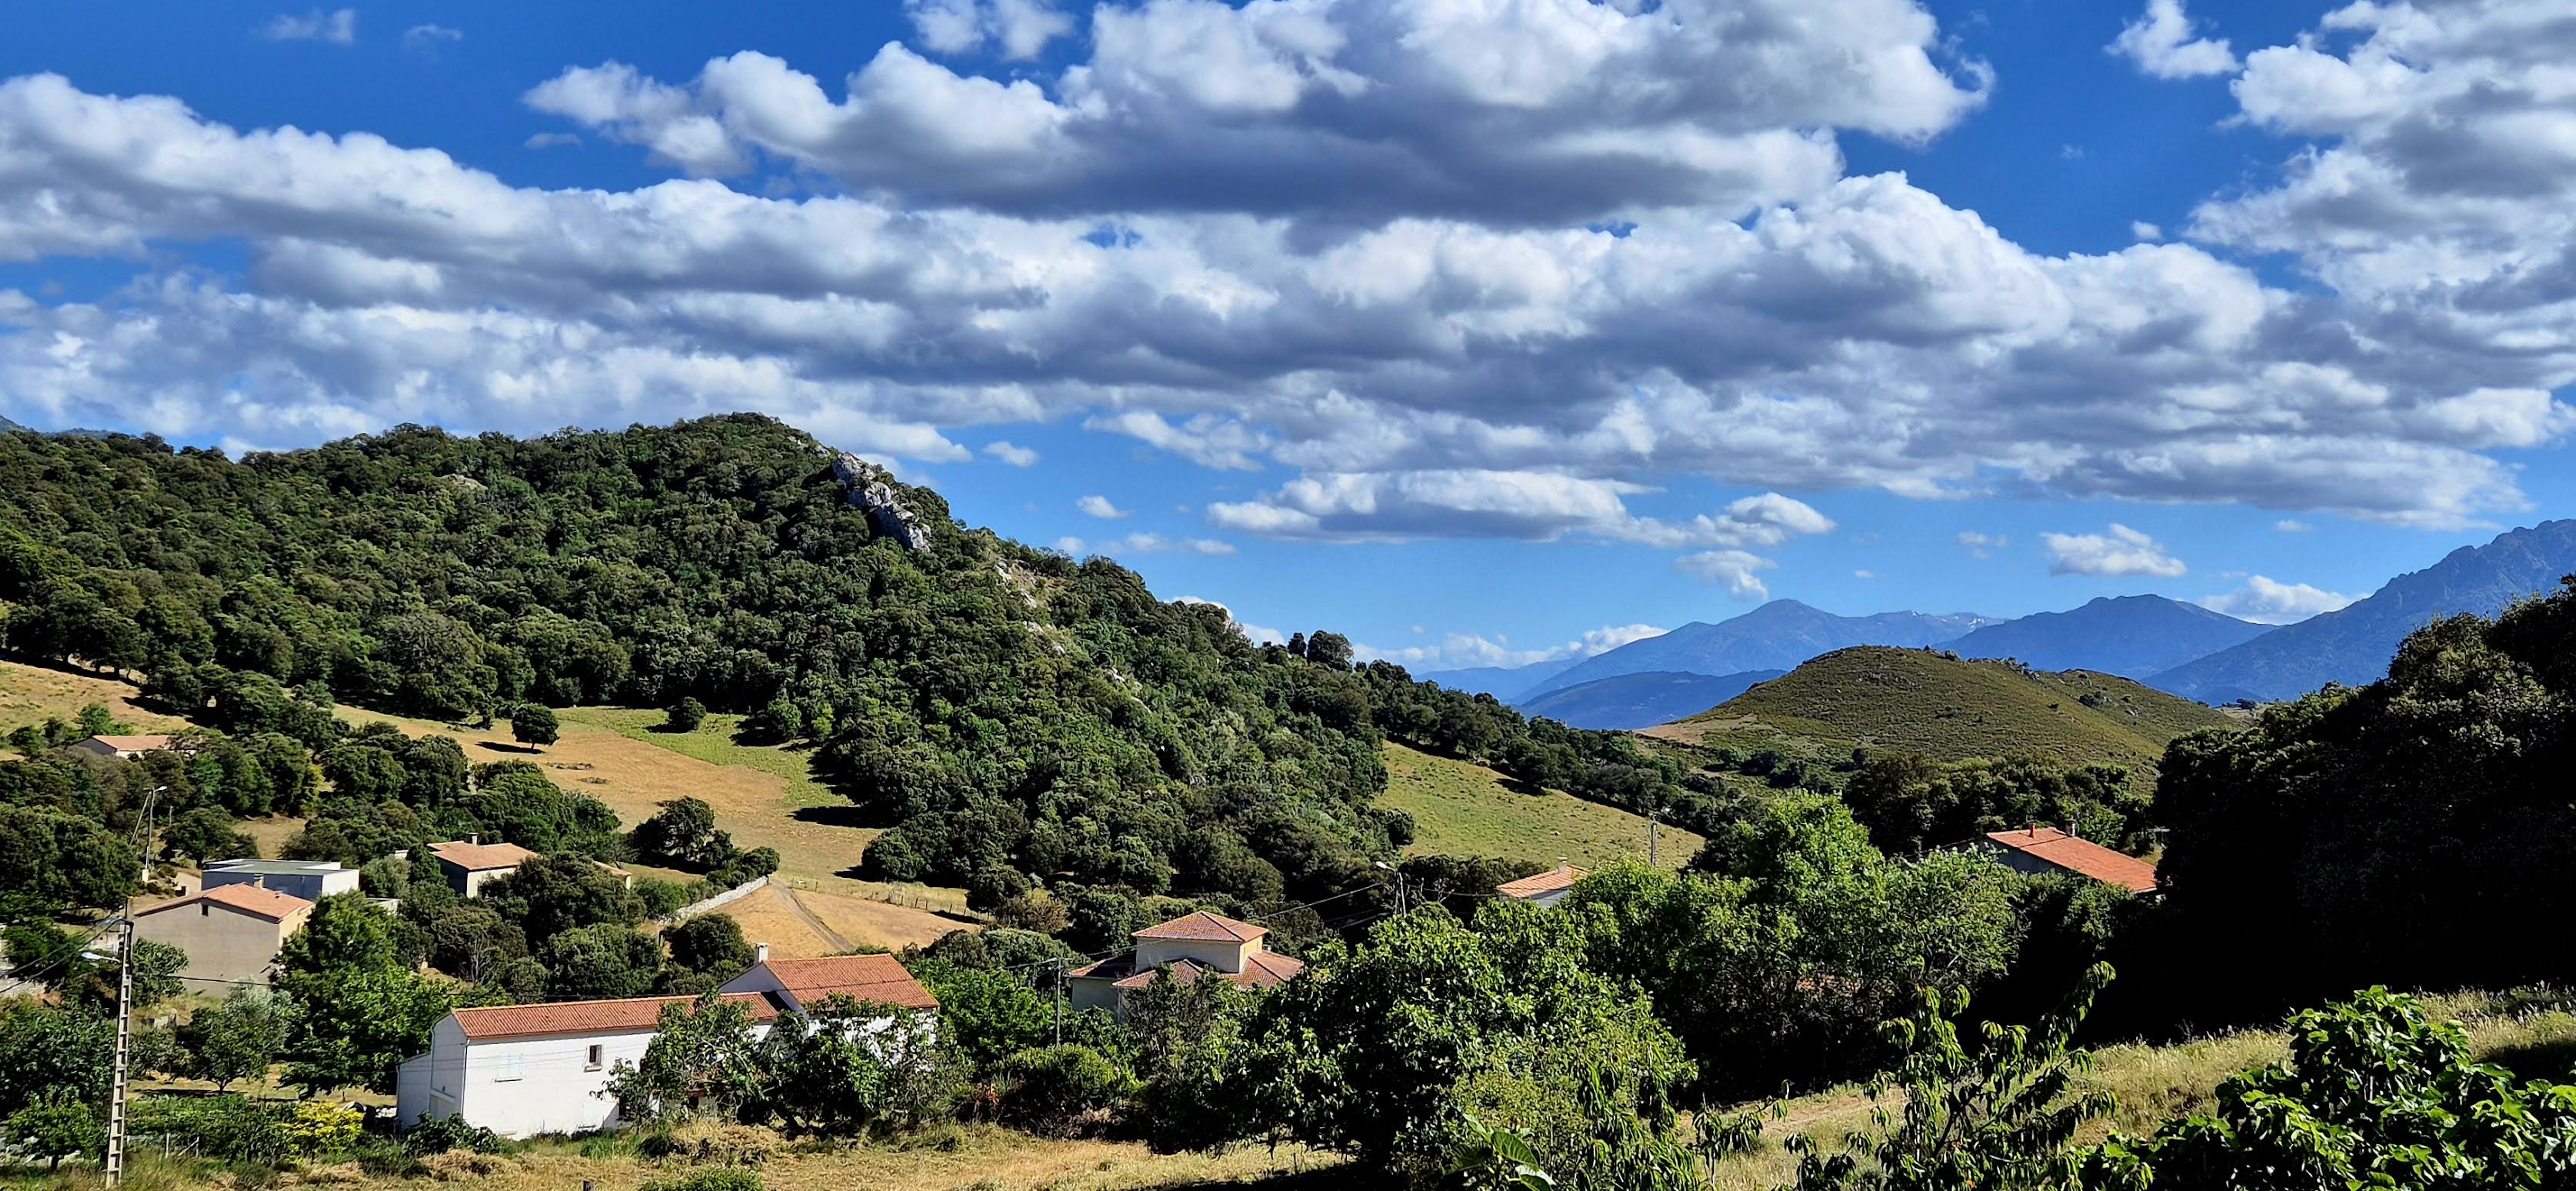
1464	809
1937	704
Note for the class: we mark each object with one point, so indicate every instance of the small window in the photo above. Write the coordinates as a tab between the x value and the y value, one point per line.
592	1063
510	1070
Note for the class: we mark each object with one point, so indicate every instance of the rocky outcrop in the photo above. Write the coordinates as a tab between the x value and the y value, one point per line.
868	491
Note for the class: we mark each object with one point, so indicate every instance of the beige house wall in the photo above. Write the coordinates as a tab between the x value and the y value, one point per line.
222	943
1218	954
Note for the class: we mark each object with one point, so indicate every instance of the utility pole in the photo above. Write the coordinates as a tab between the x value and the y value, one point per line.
1652	813
1058	1000
125	995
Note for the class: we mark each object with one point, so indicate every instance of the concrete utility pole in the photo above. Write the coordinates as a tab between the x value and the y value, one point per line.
1652	813
125	995
1057	999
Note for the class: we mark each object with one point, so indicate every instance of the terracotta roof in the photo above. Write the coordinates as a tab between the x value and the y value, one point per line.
630	1015
247	898
1205	927
858	977
2078	855
475	858
134	744
1562	876
1264	969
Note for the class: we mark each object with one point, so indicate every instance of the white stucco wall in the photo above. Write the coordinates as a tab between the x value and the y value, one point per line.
521	1087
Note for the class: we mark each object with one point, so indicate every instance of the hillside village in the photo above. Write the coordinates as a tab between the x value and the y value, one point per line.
447	927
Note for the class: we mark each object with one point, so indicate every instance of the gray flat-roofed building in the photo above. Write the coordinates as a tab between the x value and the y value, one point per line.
311	880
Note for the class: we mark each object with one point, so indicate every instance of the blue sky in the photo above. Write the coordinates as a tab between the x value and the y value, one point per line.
1476	332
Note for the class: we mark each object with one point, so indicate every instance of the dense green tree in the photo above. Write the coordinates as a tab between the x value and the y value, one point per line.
987	1015
239	1039
1910	803
207	834
702	1053
602	961
46	1049
2408	832
683	834
709	946
64	858
533	723
553	894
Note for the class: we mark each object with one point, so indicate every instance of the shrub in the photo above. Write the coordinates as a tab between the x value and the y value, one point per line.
437	1135
318	1127
1055	1090
686	715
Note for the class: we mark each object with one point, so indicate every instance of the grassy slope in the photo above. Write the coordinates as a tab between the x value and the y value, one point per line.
763	795
1947	708
610	754
29	694
2156	1083
1461	809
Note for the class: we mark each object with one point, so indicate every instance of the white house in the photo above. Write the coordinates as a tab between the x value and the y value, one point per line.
524	1070
126	747
1543	889
1194	945
311	880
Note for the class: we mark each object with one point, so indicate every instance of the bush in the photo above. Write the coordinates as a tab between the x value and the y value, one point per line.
318	1127
1057	1090
722	1178
437	1135
686	715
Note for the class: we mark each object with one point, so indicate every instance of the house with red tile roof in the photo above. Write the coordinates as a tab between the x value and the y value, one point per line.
126	747
469	864
230	932
1195	946
1543	889
525	1070
2037	849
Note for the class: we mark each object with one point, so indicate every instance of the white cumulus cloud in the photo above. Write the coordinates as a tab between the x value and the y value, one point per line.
2163	43
1100	506
2267	601
1731	569
2121	551
1011	453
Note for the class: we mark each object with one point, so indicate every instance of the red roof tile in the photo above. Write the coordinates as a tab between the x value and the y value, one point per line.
475	858
135	744
1561	877
1204	927
247	898
876	978
631	1015
2076	854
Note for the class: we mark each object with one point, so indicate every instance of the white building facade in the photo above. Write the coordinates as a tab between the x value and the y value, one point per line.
529	1070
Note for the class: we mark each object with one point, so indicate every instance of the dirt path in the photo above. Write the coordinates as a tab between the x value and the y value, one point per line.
817	925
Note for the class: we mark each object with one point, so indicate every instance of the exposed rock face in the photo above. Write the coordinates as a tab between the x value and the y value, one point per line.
869	491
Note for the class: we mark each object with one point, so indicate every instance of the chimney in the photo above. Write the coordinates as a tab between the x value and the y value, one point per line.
476	839
760	953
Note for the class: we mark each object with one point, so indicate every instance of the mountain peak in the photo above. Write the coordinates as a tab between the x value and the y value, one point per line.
2352	645
2131	635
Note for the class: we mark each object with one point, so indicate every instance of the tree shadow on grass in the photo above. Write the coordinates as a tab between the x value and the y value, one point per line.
2554	1059
524	750
844	815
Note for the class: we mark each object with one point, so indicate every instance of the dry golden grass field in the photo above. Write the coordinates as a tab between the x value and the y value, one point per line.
28	694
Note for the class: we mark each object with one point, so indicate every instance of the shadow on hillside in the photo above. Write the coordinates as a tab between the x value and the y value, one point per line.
2554	1060
837	816
524	750
1519	786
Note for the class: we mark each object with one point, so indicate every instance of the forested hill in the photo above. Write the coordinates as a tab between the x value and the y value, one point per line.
1007	710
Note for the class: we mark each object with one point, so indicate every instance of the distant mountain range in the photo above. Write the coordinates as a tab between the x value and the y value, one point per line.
1502	682
1775	636
2352	645
6	426
2179	648
1640	700
2131	636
